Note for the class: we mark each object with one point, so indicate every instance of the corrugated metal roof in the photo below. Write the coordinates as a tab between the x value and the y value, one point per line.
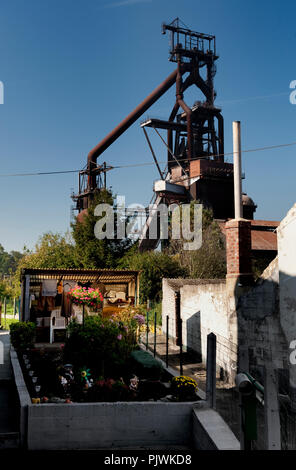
263	234
107	276
264	240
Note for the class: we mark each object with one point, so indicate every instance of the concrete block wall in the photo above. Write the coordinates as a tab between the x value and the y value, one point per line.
107	425
260	332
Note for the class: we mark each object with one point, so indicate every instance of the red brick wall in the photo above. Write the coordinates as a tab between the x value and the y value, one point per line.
238	247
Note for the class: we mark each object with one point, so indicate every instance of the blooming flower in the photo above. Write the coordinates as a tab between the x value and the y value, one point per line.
140	319
119	337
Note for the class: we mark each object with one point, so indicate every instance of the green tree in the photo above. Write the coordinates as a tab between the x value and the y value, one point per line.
209	261
9	261
52	250
91	253
154	265
3	289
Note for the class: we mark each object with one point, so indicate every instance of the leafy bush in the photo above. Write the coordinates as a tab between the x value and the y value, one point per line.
103	344
22	335
153	266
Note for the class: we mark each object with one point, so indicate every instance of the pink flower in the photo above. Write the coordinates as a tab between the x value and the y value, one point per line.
119	337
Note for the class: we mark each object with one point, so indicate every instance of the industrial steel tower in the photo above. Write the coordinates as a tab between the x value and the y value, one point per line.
194	141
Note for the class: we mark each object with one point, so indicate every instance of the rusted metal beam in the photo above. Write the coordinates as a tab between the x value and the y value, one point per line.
153	154
129	120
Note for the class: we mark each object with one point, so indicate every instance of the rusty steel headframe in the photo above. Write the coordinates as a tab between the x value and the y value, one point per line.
191	51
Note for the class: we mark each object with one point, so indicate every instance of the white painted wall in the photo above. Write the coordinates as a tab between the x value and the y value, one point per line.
204	309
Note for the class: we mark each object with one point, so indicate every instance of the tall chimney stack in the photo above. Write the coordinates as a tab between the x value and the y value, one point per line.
238	230
237	170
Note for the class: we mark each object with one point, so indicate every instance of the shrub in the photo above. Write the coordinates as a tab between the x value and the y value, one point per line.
184	387
22	335
102	344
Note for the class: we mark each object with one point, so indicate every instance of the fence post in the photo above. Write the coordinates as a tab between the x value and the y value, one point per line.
181	346
211	370
154	347
5	308
167	342
271	410
147	329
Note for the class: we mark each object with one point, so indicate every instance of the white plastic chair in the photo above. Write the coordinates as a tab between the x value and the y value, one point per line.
56	323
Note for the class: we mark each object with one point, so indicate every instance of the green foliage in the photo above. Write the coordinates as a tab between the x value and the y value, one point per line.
22	335
52	250
154	266
91	253
6	322
9	261
103	344
3	289
209	261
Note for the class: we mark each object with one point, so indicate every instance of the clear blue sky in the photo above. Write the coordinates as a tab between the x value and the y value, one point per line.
73	70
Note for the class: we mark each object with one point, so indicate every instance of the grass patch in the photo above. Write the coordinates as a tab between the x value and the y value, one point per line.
7	322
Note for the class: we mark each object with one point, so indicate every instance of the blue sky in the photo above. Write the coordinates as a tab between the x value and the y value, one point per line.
73	70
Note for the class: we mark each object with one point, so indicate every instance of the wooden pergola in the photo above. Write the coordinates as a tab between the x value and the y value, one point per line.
31	278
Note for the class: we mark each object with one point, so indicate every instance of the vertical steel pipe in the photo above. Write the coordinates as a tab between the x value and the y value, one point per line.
147	329
237	170
167	342
154	346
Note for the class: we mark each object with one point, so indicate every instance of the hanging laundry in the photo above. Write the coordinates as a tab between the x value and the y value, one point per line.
49	288
66	310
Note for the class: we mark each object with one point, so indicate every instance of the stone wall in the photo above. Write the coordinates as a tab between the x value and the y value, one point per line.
287	288
267	313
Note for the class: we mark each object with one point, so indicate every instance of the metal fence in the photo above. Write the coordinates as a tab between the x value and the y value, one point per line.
159	343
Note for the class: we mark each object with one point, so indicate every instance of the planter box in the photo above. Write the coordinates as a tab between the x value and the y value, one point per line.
109	425
126	425
51	426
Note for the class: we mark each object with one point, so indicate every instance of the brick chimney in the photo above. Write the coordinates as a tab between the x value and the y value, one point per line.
238	251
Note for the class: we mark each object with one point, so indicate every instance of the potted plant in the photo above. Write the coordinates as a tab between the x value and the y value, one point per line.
89	298
184	388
